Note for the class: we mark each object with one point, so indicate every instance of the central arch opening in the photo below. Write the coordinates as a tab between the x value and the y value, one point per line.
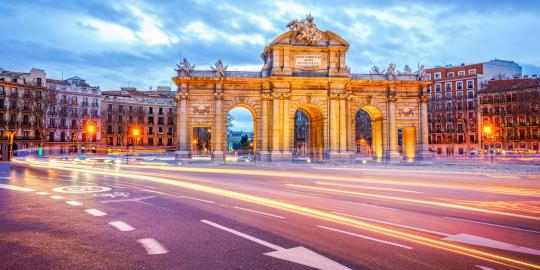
308	134
241	143
368	133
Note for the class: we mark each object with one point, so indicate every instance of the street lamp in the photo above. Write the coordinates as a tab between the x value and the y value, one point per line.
90	130
488	133
135	133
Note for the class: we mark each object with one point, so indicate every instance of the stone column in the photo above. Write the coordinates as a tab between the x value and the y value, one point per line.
183	145
342	128
334	127
265	154
276	127
392	153
218	132
424	155
287	154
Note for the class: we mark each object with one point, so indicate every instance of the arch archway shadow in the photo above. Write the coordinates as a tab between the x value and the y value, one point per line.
308	134
368	133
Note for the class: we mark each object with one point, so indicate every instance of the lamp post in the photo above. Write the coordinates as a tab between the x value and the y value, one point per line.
488	132
135	134
90	130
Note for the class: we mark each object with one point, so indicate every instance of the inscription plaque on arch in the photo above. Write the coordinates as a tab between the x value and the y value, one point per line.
308	60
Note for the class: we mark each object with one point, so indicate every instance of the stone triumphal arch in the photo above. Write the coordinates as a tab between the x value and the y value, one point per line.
305	77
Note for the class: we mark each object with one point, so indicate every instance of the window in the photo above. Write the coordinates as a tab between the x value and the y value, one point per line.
470	84
160	120
428	89
109	107
459	85
450	74
508	97
448	86
2	90
470	94
438	87
150	130
470	104
150	120
459	95
428	76
151	111
151	141
121	108
160	111
437	75
461	73
472	71
169	142
160	130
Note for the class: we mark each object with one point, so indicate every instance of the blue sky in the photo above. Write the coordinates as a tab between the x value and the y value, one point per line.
138	43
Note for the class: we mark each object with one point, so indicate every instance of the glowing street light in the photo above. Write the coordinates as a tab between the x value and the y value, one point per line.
136	132
487	129
91	128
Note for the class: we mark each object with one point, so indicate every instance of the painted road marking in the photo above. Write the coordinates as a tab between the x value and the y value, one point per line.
81	189
152	246
396	224
56	197
258	212
484	267
486	242
5	177
42	193
73	203
128	200
11	187
195	199
121	226
300	255
95	212
491	224
371	205
112	195
365	237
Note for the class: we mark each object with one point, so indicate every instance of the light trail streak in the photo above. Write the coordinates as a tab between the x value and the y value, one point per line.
318	214
378	181
415	201
364	187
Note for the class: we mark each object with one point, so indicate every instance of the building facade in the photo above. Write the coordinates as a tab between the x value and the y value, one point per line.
304	73
453	107
510	116
22	98
77	108
151	113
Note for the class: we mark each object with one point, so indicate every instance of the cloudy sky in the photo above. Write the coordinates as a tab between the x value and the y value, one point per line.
138	43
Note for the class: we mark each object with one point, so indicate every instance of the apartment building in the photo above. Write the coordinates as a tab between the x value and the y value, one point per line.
510	115
151	113
453	109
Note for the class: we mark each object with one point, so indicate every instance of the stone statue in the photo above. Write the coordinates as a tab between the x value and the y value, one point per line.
407	70
375	70
306	30
185	66
219	68
421	72
391	71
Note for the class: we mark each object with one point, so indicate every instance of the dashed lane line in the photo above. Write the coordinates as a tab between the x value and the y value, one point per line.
42	193
56	197
121	226
258	212
12	187
152	246
494	225
371	205
73	203
365	237
95	212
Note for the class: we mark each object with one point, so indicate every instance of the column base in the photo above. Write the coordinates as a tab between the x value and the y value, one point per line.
264	156
393	157
334	156
346	155
276	156
425	157
286	156
182	154
218	155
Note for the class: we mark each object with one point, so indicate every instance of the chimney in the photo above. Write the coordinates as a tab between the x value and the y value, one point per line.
534	76
525	76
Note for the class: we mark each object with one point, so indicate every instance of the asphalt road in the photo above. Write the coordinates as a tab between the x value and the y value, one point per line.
62	216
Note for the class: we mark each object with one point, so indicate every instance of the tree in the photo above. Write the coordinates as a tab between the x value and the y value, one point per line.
14	121
45	109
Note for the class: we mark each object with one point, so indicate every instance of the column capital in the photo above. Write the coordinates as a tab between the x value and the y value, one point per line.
276	95
391	99
181	95
424	99
218	95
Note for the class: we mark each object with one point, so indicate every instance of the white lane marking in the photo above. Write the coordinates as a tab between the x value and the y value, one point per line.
243	235
491	224
258	212
299	255
42	193
371	205
128	200
121	226
486	242
11	187
95	212
180	196
484	267
81	189
5	177
395	224
152	246
73	203
56	197
365	237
